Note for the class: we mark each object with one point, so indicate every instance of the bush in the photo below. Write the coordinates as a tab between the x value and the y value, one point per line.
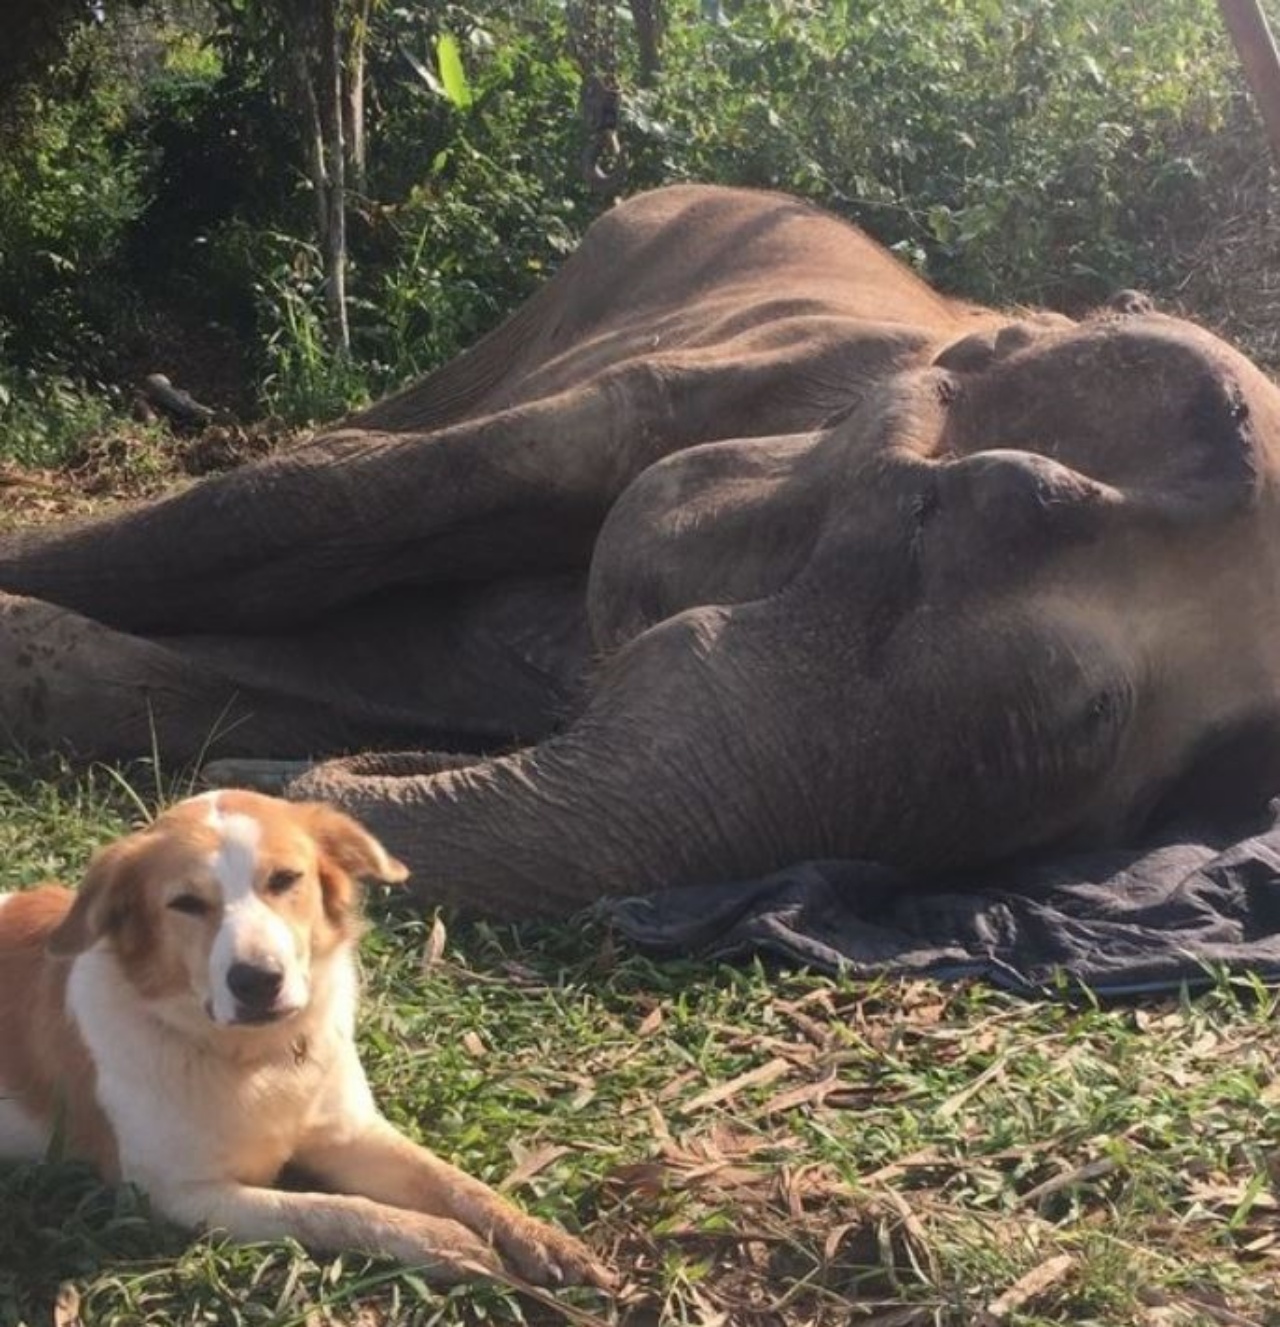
1020	151
70	186
44	416
474	208
1030	150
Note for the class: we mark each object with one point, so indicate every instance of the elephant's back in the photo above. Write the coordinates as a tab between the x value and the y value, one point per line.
696	271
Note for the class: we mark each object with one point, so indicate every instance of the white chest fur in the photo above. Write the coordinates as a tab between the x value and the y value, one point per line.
222	1104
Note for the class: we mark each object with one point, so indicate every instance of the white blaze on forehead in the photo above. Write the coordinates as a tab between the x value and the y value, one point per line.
235	861
251	931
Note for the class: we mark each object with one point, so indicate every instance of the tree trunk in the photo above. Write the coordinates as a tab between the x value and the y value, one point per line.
334	237
1247	25
648	19
312	132
301	36
353	97
314	34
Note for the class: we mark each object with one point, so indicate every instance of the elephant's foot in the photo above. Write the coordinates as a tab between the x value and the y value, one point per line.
69	682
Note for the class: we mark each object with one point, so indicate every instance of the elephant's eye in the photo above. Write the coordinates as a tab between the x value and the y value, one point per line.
282	881
192	904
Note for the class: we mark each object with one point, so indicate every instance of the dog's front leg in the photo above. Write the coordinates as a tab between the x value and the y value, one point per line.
333	1223
382	1164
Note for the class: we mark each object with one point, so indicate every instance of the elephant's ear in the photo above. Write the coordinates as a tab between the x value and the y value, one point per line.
1172	420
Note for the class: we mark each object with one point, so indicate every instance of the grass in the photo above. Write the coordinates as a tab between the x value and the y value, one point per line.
747	1146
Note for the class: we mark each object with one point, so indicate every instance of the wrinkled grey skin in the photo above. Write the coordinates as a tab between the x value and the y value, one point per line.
756	549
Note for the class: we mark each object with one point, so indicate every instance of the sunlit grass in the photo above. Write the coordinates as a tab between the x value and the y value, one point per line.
748	1146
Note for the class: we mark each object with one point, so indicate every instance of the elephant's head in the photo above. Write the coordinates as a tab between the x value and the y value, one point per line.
1065	562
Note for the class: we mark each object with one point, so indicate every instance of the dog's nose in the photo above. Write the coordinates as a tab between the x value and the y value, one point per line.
254	985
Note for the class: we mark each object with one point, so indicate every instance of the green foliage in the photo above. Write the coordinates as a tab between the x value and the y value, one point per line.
452	75
474	170
44	416
70	185
1030	150
1033	151
435	297
305	378
215	146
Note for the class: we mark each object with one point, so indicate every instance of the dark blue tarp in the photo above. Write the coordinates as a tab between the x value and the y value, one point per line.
1117	921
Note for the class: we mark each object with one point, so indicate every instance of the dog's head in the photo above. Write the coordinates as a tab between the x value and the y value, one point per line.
225	904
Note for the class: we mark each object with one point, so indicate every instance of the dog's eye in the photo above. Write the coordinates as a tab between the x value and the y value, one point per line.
280	882
192	904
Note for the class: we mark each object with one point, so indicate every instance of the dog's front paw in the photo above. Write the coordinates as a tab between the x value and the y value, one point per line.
446	1251
545	1256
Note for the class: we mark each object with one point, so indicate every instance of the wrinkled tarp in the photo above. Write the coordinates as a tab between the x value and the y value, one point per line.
1119	922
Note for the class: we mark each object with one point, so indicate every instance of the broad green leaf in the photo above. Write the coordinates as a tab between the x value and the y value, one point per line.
452	74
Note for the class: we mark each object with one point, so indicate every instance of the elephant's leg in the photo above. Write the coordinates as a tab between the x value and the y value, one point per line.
73	683
292	538
472	667
477	670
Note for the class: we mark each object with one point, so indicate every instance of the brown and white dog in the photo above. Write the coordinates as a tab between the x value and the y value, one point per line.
186	1021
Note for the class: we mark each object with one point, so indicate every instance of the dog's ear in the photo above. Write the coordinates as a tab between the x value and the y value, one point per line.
348	846
351	846
100	903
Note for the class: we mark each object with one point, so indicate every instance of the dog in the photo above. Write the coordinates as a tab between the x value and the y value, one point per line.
186	1021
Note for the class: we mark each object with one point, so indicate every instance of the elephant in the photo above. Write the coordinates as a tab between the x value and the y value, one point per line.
736	545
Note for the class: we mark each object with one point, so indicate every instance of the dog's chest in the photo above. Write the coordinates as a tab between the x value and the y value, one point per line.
250	1127
185	1109
192	1116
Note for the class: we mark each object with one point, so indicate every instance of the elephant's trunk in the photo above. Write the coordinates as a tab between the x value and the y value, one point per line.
529	834
650	788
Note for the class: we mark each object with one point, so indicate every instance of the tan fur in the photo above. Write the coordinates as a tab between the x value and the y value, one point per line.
44	1067
114	1032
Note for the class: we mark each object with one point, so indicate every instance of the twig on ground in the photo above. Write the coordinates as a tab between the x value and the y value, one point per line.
768	1072
1026	1289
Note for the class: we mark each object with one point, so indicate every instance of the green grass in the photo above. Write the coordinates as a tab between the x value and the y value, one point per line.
748	1147
44	420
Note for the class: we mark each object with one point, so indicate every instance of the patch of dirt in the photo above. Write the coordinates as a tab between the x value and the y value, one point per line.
131	463
802	1245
